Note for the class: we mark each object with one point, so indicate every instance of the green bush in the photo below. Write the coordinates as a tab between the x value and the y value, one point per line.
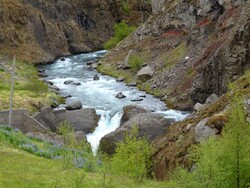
132	156
135	61
223	162
122	30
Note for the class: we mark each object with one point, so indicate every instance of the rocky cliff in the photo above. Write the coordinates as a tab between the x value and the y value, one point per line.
191	49
194	48
40	30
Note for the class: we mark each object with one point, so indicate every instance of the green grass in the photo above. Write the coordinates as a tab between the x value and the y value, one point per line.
28	90
21	169
174	56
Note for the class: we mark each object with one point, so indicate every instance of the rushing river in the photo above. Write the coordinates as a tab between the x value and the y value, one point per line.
100	94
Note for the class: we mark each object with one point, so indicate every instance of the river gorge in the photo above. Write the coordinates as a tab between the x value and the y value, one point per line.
100	94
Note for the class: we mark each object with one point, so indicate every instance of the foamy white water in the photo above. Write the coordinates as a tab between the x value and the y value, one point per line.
100	94
106	125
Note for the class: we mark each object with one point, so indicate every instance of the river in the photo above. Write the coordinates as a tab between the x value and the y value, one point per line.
100	94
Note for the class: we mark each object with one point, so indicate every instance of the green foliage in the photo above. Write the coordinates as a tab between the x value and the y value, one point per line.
223	162
37	87
122	30
80	153
132	157
32	145
135	61
174	56
125	6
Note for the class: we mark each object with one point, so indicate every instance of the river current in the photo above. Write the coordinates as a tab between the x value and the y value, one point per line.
100	94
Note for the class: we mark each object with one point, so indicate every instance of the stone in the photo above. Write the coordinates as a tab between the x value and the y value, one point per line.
143	96
50	83
131	111
43	74
62	59
60	114
120	79
22	121
198	106
47	118
120	95
96	77
85	120
145	73
203	132
150	125
76	83
68	82
67	96
189	127
211	99
94	65
54	87
136	100
132	84
74	106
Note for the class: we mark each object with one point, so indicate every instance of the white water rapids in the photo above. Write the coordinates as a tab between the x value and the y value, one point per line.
100	94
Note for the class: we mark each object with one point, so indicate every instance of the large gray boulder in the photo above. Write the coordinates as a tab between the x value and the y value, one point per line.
85	120
211	99
145	73
74	106
131	111
47	118
203	132
150	125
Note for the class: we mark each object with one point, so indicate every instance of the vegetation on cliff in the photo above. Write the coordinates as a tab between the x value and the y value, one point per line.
223	161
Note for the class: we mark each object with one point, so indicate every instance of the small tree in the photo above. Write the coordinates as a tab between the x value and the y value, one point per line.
132	156
223	162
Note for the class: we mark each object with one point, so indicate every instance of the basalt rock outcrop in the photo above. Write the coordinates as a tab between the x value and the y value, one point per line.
40	30
196	48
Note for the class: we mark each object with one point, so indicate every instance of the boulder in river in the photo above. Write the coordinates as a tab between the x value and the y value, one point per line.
151	126
131	111
85	120
74	106
120	79
76	83
62	59
120	95
67	82
96	77
136	99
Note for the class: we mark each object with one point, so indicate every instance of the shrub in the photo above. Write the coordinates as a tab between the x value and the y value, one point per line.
223	162
132	156
135	61
122	30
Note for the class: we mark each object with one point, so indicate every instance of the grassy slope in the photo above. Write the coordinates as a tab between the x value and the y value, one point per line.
26	82
19	168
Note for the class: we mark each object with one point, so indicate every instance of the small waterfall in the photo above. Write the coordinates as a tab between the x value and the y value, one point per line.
100	94
106	125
